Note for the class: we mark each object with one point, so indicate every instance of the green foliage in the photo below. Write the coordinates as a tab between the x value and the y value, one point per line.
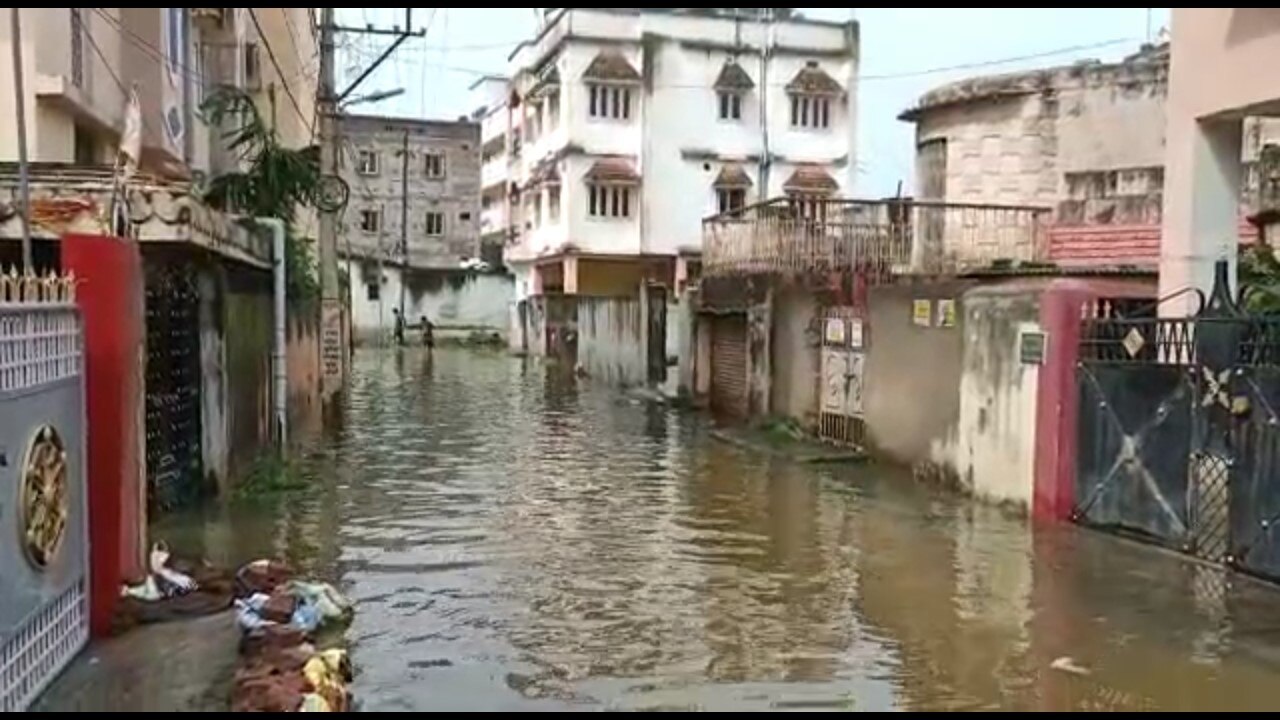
1259	273
273	182
270	475
300	268
274	179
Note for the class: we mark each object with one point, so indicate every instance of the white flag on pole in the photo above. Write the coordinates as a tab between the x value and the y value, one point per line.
131	137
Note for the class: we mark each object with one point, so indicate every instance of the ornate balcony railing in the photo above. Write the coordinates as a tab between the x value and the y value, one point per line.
878	237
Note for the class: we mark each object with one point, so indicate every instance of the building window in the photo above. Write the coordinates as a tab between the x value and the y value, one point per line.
372	291
435	165
77	47
730	106
553	111
464	217
730	199
808	111
177	37
809	206
367	162
533	122
553	204
435	223
252	68
609	201
609	101
371	220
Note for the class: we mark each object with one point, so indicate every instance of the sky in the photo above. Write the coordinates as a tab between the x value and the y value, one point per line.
905	53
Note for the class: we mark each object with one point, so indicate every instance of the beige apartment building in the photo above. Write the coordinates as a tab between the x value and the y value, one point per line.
1216	81
208	281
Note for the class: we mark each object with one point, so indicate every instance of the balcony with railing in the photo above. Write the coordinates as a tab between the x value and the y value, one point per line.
880	238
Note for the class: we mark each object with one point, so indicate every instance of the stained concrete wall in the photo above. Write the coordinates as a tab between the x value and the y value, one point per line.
913	375
455	194
303	368
457	302
213	376
247	319
795	355
760	357
611	345
995	452
236	335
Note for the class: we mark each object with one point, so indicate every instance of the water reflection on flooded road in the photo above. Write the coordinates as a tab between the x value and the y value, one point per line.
518	541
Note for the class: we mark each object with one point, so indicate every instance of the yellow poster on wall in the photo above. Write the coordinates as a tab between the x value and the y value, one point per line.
922	313
946	313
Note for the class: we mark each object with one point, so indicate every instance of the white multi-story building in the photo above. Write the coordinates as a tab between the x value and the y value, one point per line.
489	97
626	127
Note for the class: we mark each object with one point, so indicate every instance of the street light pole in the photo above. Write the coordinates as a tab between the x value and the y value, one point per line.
20	103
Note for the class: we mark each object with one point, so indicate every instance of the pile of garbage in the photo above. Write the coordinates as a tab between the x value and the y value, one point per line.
284	664
289	655
172	589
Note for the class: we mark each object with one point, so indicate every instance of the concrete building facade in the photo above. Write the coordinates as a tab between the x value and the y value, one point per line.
206	289
608	97
1214	87
489	97
439	181
433	268
629	126
1086	140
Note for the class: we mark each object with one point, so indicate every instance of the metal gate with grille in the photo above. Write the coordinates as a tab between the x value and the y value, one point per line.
173	386
729	365
841	377
1178	432
44	614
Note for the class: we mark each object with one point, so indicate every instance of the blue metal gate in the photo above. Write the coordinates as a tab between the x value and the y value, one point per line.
44	613
1179	432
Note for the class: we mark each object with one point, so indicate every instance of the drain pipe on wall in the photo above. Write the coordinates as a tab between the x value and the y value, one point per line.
279	371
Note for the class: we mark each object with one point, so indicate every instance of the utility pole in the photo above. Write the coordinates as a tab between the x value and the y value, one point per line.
333	355
20	102
332	352
404	221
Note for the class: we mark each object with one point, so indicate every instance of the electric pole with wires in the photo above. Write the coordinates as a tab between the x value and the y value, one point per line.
333	350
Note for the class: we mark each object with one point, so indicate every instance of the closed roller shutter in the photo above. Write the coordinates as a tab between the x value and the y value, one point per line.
729	366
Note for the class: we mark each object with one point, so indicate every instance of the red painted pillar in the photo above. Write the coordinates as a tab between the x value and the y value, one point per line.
109	291
1057	397
1056	400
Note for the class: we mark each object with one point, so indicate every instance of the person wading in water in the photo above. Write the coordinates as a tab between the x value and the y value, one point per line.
398	332
428	333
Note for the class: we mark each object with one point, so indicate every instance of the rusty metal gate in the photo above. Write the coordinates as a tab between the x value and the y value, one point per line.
656	352
44	614
841	376
1177	430
729	365
173	385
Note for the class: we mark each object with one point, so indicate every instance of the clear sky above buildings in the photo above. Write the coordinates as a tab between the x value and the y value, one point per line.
905	52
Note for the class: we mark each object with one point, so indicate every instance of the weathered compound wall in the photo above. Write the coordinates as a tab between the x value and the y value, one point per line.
611	336
457	302
995	453
913	375
794	388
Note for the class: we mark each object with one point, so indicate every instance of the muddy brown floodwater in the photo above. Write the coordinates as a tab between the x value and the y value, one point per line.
518	541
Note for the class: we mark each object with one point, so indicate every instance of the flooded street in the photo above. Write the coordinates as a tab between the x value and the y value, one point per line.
520	542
